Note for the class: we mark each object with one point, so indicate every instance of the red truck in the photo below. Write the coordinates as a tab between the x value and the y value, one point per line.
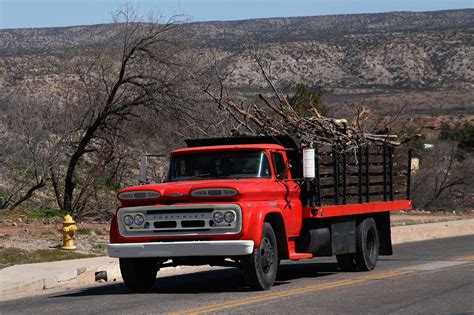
251	202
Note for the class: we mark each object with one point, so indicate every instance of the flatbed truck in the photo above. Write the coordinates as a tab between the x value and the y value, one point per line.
250	202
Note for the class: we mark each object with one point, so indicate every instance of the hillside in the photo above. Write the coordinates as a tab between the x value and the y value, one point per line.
374	59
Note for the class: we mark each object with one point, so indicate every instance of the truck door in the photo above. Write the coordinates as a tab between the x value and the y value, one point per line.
289	200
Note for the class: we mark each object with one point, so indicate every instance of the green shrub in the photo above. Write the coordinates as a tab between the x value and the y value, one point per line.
461	133
306	98
44	214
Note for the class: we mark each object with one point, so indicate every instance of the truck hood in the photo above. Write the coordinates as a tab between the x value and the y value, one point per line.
180	191
183	189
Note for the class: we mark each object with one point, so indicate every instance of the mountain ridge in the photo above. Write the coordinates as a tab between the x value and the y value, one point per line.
350	54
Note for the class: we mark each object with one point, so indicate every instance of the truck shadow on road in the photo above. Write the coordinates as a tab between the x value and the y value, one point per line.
221	280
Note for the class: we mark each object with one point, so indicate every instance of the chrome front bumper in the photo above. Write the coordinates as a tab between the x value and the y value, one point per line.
180	249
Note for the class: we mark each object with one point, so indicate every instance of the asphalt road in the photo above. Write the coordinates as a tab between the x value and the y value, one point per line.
434	277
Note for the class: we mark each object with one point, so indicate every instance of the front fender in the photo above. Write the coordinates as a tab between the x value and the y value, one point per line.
255	223
114	235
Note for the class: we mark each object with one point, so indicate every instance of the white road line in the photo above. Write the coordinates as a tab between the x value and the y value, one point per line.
435	265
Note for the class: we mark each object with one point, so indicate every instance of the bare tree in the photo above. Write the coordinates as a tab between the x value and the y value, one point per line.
441	174
29	148
148	75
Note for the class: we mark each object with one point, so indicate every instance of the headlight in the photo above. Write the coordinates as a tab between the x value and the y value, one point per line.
139	195
128	220
139	219
214	192
229	216
218	217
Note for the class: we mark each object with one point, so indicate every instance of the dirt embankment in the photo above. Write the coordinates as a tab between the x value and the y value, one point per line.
23	233
91	238
420	217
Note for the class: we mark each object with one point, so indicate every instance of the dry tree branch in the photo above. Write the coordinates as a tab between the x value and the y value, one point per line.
278	116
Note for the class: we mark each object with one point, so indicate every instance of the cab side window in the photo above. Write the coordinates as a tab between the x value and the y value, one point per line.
279	165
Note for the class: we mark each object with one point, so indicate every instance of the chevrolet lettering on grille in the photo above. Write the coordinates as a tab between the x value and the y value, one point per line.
175	195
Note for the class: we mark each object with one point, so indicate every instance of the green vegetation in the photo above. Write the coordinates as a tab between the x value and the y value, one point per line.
44	214
107	182
305	99
14	256
463	134
4	213
31	215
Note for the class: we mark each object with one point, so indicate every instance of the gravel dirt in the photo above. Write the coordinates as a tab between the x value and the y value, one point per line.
90	238
419	217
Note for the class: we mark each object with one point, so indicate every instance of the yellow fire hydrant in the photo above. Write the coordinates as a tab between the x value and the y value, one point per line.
69	228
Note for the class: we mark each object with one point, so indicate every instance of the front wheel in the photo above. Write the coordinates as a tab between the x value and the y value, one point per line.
139	274
260	268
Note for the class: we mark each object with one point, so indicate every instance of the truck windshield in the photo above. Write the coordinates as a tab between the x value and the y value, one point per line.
219	165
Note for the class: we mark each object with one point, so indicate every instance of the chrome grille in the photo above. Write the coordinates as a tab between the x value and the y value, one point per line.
179	220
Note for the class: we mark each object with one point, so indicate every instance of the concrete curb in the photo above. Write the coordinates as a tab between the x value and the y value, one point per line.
429	231
36	277
29	278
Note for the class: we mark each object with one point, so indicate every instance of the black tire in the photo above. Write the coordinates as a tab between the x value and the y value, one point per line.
139	274
367	245
346	262
260	268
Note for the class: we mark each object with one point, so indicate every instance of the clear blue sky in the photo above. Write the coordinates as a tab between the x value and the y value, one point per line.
48	13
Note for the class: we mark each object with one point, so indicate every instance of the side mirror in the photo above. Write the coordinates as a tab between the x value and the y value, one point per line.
143	169
283	175
287	170
151	173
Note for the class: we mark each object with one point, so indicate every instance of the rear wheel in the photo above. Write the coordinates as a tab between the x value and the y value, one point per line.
260	268
139	274
367	249
367	244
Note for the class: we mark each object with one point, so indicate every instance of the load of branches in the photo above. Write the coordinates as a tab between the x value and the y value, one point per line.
277	115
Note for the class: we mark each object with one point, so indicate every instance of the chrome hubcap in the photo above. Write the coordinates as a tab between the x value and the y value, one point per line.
266	255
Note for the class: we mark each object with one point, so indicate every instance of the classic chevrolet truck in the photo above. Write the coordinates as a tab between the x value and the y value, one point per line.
251	202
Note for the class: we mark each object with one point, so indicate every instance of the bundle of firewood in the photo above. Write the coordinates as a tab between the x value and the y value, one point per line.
276	116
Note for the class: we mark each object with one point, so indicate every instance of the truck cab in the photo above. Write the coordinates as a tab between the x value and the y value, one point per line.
239	202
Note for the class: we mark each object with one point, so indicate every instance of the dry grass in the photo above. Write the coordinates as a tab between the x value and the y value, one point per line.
15	256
